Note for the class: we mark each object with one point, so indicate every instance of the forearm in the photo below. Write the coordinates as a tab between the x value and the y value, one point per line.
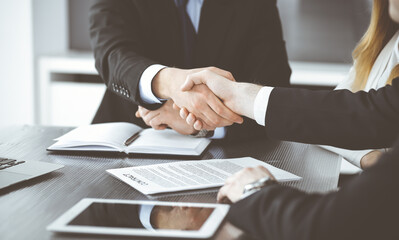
363	209
118	49
339	118
269	214
241	99
166	82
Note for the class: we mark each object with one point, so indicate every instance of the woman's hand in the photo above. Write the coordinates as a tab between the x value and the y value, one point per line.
370	159
234	185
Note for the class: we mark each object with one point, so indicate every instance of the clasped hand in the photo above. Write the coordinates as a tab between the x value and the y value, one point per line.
165	117
207	108
207	98
239	97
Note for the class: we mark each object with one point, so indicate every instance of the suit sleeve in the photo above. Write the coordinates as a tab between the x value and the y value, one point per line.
339	118
266	61
366	208
116	40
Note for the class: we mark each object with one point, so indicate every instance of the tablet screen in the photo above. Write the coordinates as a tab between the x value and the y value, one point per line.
142	216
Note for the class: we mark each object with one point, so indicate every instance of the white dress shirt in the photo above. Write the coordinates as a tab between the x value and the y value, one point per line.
385	62
145	85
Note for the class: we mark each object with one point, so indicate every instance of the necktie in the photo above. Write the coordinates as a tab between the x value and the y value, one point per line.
188	32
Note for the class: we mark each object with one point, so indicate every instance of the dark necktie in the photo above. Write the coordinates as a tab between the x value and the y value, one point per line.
189	34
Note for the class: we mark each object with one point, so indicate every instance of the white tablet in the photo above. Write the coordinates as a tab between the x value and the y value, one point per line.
141	218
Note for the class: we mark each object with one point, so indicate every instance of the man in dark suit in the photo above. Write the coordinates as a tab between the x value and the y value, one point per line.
145	49
365	208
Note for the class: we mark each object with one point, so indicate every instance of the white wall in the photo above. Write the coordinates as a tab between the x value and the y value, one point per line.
50	35
16	63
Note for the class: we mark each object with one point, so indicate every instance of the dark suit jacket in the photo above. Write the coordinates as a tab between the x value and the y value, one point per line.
340	118
241	36
367	207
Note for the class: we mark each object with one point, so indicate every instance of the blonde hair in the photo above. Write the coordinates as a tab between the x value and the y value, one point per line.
379	32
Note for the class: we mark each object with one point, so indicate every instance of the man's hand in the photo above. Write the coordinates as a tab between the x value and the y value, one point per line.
234	185
239	97
370	159
200	100
165	117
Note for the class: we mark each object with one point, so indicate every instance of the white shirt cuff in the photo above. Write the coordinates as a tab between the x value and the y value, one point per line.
219	133
261	103
145	84
145	216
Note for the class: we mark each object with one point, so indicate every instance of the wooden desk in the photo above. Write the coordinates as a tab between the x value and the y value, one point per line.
28	207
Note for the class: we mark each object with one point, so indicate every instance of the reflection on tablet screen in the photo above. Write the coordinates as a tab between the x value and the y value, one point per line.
150	217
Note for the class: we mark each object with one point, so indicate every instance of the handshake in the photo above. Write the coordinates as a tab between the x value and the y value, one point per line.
204	98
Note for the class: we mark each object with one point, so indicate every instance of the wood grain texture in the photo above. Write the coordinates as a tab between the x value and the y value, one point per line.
28	207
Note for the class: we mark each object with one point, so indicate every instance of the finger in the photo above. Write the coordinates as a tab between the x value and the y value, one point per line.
222	196
175	107
143	111
160	127
222	193
147	118
203	112
202	77
138	114
220	109
267	172
208	117
198	125
206	126
194	79
223	73
191	119
157	123
211	118
229	180
184	113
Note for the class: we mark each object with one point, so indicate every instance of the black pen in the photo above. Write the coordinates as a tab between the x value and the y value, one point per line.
132	138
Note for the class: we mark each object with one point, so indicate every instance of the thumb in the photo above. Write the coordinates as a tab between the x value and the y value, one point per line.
192	80
224	73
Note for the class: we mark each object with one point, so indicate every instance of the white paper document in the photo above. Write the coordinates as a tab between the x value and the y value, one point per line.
190	175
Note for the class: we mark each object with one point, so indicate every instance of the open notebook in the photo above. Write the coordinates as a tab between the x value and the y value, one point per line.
115	137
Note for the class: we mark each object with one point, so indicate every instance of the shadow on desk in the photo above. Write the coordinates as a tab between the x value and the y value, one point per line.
119	155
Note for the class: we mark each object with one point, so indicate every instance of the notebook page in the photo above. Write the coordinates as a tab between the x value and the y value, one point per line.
167	139
113	134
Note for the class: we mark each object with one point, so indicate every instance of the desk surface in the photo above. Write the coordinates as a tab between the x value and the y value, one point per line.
28	207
